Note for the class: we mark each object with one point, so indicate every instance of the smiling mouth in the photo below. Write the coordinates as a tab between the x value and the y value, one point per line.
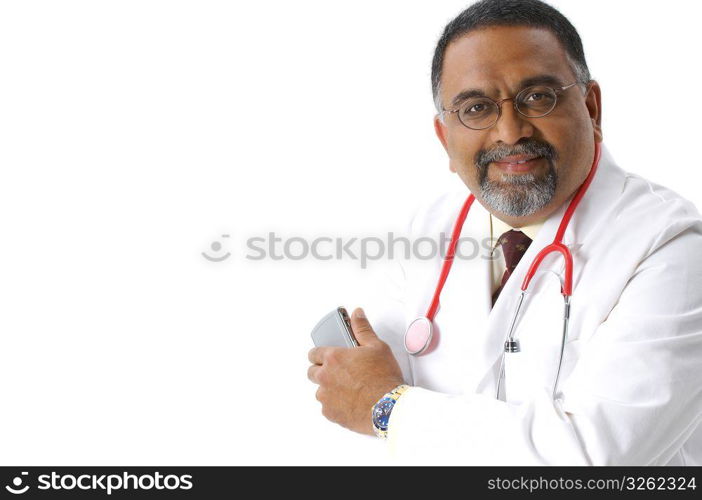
518	164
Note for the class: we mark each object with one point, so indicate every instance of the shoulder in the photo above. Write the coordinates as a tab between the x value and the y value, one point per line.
629	210
653	209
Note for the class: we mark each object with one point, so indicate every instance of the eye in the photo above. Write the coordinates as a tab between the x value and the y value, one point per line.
536	100
476	108
536	97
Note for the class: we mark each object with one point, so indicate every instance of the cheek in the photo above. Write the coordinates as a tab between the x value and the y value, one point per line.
572	134
461	152
574	142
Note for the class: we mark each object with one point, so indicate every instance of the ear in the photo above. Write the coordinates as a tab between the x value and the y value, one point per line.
593	101
442	132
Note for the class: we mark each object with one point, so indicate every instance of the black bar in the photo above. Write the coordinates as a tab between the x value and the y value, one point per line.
362	482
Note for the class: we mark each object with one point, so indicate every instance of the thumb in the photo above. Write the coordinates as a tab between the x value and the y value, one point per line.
362	329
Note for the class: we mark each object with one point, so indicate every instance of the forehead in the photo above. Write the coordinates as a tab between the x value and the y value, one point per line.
499	57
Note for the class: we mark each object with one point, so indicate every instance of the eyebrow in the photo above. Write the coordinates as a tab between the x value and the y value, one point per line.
527	82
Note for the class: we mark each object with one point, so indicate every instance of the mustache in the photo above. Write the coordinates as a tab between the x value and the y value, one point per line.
531	147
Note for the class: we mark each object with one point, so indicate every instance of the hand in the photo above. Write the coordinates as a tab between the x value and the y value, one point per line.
352	380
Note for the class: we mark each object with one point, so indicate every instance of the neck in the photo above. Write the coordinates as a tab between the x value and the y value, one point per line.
517	222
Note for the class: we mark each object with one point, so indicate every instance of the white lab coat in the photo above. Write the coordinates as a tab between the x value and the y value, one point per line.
630	390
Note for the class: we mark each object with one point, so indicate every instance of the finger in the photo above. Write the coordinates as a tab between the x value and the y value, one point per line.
316	355
313	372
362	329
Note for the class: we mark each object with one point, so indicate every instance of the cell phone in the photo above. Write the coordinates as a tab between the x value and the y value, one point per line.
334	329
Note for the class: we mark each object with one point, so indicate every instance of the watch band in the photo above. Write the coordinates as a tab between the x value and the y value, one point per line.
380	413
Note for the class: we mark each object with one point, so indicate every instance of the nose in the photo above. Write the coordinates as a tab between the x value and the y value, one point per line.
511	126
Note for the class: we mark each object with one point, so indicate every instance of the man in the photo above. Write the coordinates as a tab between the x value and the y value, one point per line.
520	119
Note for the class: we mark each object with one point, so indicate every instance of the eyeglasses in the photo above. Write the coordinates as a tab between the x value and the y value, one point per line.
479	113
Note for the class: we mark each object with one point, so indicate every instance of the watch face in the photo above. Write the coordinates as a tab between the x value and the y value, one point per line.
381	413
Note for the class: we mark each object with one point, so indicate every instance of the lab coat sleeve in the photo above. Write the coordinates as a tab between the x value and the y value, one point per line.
633	398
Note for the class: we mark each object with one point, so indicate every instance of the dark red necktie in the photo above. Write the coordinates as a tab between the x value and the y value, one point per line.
514	246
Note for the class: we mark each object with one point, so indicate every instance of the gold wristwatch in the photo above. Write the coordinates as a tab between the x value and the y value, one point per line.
380	413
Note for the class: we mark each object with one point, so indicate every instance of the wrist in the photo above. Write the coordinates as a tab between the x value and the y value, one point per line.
382	410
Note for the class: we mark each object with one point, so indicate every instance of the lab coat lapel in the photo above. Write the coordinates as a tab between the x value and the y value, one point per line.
464	309
595	207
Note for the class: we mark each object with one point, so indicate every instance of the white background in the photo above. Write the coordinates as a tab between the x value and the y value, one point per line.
133	134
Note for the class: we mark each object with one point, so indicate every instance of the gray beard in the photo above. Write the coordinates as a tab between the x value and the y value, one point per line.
518	195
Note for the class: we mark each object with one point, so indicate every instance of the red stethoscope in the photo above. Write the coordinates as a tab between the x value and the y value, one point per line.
421	338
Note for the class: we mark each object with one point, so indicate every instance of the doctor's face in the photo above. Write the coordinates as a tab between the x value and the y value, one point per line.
521	169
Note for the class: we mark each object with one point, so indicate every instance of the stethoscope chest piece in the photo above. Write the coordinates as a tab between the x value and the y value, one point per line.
419	336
